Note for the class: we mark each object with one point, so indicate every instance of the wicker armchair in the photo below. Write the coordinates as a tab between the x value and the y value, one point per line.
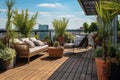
55	52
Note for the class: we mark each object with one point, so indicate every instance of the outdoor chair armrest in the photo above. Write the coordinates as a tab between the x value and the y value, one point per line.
22	49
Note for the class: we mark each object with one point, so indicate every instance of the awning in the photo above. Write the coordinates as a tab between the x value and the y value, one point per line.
88	6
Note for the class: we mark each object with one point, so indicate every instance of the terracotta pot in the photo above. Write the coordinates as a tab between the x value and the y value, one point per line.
103	70
61	40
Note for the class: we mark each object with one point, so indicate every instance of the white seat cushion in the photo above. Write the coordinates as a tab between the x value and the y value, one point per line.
37	48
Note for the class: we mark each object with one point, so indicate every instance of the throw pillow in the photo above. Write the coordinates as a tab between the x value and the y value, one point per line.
38	43
24	39
18	41
33	39
30	43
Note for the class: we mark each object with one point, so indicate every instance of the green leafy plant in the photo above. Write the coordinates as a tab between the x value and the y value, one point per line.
56	43
86	27
98	52
7	54
36	36
60	25
47	38
23	22
9	4
93	27
2	46
106	15
68	37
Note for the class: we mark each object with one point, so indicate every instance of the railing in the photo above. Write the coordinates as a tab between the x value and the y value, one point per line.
49	33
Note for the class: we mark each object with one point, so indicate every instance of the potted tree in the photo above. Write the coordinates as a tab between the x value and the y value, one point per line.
23	23
106	14
7	56
60	27
86	27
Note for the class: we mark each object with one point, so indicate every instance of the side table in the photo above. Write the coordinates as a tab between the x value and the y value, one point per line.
55	52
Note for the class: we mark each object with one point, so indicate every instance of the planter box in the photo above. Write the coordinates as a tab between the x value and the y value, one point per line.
115	71
7	64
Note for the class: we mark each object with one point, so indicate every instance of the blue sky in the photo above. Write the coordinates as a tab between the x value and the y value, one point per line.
49	10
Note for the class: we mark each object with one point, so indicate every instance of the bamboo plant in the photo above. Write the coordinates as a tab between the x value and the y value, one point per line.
9	32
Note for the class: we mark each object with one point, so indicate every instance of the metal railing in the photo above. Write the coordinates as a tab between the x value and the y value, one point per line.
49	33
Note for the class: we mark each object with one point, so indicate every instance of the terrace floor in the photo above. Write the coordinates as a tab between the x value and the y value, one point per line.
73	66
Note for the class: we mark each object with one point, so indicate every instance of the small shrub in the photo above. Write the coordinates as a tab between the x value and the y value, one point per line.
98	52
7	54
56	44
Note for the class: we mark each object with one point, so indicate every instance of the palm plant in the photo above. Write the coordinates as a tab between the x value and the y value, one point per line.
23	23
107	11
60	26
10	4
107	14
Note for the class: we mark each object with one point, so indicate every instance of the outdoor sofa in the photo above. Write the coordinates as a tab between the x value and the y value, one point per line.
26	47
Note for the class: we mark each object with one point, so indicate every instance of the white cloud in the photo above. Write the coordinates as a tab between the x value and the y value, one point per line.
3	10
31	13
40	13
76	23
48	5
44	13
67	16
2	23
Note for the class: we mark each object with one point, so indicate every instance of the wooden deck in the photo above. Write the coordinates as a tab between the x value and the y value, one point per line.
73	66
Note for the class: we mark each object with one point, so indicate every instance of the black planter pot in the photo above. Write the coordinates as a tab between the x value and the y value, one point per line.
6	64
115	71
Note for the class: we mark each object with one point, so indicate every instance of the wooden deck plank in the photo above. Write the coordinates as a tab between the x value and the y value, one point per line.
61	73
94	73
73	67
84	69
57	72
81	65
45	70
77	66
53	69
89	70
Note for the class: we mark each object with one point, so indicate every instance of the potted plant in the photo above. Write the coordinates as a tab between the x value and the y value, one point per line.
60	27
23	22
115	62
106	16
56	44
7	56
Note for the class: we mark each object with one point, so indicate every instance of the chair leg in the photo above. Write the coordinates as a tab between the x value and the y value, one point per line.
28	60
73	50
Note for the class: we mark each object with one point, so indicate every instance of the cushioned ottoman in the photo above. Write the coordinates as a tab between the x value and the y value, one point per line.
55	52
